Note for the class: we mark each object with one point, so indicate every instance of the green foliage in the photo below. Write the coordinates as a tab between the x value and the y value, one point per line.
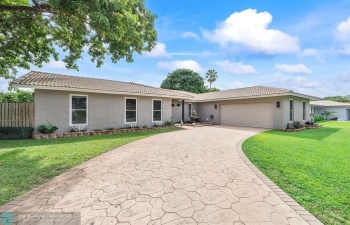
185	80
294	125
47	129
31	33
211	76
318	118
338	98
169	122
328	114
16	97
213	89
16	133
311	166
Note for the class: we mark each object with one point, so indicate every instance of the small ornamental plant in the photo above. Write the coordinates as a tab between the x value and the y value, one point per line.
158	124
78	129
47	129
133	125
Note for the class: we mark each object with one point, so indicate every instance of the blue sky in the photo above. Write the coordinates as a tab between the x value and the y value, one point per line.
300	45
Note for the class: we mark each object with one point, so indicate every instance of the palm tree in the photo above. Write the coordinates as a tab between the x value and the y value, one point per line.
328	113
211	76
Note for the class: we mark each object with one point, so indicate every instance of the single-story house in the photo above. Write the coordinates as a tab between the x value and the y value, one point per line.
67	101
342	110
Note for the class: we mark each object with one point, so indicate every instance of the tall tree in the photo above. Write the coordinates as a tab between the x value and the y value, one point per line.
338	98
185	80
211	76
32	32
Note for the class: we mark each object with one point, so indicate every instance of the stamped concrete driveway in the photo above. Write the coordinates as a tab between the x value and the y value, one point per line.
192	176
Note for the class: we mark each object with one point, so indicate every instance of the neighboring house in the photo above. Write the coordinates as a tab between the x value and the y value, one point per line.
342	110
66	101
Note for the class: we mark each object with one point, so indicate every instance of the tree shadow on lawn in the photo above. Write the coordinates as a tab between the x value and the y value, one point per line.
314	134
10	144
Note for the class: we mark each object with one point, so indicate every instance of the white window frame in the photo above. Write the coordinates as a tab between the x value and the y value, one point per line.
291	110
129	110
304	110
189	111
71	110
161	110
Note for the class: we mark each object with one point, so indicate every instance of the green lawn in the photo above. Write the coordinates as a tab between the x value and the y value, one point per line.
25	164
312	166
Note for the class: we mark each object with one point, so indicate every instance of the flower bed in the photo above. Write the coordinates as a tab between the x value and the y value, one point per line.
91	133
304	127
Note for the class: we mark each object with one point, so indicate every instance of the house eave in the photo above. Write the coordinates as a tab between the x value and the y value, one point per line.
259	96
96	91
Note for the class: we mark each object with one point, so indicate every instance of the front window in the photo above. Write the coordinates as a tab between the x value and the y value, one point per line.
304	111
157	110
130	110
291	110
79	110
189	109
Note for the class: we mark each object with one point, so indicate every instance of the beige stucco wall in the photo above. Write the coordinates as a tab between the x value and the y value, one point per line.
281	115
177	111
298	109
104	110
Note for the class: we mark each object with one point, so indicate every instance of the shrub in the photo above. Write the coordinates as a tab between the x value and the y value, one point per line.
294	125
318	119
47	129
109	128
169	122
290	126
78	129
16	97
297	124
334	118
16	133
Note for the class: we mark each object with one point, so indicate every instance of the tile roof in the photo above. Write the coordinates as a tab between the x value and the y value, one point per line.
255	91
329	103
41	79
37	79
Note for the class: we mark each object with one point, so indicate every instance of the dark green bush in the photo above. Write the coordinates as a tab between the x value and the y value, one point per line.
47	129
318	119
169	122
16	133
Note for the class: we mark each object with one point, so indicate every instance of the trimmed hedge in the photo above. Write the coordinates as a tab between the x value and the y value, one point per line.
16	133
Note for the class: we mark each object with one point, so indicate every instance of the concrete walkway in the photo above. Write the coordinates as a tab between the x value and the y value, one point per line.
192	176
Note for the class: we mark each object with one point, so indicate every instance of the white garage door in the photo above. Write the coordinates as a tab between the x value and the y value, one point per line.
248	115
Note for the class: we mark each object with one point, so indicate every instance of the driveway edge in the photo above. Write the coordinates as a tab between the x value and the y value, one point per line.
312	220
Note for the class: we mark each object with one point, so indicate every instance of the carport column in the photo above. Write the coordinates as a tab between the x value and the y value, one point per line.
183	111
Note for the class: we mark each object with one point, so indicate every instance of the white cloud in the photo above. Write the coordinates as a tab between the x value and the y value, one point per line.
294	69
310	52
235	67
342	35
158	51
236	84
345	50
250	29
343	30
346	77
190	34
55	65
179	64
